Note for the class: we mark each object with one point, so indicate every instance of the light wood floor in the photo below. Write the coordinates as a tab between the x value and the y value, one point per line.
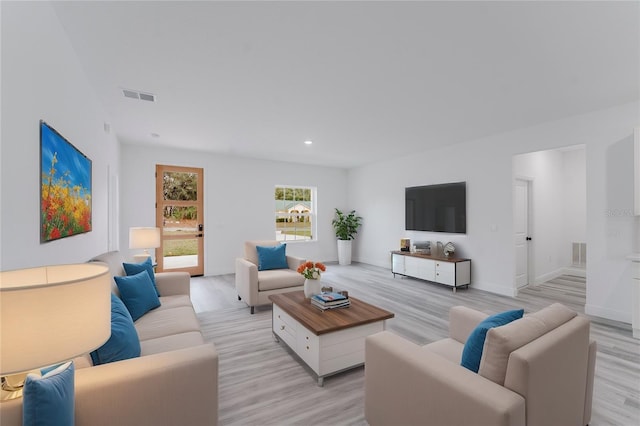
421	310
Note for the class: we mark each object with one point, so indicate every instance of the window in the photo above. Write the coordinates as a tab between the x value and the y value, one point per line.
295	213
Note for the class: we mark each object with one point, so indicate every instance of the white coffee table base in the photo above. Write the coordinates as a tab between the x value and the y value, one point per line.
328	353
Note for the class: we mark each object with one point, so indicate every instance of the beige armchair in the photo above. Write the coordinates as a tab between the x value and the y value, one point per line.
535	371
254	287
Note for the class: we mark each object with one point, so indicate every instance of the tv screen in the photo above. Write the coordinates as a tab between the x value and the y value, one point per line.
437	208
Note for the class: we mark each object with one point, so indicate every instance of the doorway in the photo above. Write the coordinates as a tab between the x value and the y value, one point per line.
549	206
522	236
180	216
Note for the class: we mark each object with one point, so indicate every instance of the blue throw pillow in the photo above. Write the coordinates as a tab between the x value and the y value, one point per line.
124	342
472	352
49	400
136	268
138	294
272	257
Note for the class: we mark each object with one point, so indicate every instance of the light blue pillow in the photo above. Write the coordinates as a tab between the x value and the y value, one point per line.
49	400
138	294
272	257
124	342
135	268
472	352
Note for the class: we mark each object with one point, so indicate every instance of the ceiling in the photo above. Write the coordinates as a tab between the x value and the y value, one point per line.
365	81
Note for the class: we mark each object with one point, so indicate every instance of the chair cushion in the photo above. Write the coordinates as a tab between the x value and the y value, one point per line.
447	348
49	400
273	257
123	342
250	252
138	294
501	341
473	347
279	278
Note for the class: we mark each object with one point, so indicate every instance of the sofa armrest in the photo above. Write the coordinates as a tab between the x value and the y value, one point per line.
247	281
293	262
462	321
173	283
170	388
406	384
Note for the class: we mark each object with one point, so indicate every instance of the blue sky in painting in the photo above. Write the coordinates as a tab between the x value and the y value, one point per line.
69	159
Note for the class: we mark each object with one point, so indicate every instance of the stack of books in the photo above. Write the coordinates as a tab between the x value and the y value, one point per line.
332	300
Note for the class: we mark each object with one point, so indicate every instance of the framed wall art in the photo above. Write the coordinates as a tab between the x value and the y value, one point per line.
65	187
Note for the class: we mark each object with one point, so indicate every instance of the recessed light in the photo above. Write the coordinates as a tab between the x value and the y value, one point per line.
308	142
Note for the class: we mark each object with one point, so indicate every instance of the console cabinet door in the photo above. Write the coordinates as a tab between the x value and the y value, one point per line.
445	273
419	268
397	264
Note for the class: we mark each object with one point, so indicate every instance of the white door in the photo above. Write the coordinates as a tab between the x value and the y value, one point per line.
521	227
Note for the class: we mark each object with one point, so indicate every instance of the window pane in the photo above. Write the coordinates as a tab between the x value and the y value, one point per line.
293	213
179	186
179	220
180	253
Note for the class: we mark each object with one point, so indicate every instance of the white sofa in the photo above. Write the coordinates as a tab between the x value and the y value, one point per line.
173	382
254	287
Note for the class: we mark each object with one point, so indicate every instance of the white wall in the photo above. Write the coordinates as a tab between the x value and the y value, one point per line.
238	200
377	192
558	208
42	79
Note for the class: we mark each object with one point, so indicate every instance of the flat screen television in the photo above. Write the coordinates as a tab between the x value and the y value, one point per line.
437	208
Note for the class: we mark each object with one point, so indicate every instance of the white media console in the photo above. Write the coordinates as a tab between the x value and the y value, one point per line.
451	271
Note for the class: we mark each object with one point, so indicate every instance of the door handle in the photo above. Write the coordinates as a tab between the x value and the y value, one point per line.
528	238
199	236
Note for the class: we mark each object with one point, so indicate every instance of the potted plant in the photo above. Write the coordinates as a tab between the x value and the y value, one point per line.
346	227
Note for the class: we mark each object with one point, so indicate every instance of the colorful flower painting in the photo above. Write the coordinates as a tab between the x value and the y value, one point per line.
65	187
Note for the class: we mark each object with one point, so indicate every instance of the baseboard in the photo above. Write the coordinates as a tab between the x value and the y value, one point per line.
598	311
548	276
576	272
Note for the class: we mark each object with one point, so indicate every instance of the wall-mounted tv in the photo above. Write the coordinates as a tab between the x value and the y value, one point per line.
437	208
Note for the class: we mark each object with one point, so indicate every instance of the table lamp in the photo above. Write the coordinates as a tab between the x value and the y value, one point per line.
49	315
143	238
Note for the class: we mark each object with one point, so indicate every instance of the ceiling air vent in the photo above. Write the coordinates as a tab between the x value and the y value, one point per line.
139	95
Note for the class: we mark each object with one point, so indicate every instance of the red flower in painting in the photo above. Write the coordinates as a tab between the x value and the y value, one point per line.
55	233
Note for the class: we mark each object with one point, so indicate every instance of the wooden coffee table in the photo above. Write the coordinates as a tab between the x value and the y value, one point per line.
328	341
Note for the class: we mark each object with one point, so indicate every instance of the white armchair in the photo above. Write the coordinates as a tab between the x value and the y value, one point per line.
254	287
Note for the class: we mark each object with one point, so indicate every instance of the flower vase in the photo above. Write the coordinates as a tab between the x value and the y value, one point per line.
311	287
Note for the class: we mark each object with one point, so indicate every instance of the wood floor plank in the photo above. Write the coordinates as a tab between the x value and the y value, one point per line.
261	383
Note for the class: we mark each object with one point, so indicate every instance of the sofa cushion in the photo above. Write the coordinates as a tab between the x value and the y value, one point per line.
171	343
160	323
273	257
49	400
170	302
123	342
279	278
138	294
136	268
501	341
473	347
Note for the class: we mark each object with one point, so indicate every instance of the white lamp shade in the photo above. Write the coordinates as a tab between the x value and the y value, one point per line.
144	238
52	314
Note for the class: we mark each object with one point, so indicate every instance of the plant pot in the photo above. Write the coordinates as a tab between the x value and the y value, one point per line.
312	287
344	252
